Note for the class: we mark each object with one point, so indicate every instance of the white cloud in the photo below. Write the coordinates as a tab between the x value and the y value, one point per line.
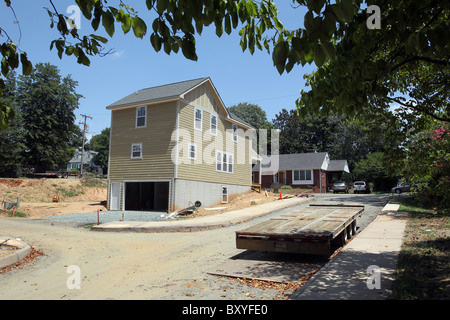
118	54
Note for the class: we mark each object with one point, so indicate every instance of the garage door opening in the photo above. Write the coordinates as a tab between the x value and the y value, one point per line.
147	196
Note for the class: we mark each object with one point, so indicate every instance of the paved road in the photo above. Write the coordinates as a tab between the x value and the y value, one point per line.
372	204
134	265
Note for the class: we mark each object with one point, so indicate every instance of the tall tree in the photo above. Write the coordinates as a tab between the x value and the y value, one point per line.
47	103
251	113
11	139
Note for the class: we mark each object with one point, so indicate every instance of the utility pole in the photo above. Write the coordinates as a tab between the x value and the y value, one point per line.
84	138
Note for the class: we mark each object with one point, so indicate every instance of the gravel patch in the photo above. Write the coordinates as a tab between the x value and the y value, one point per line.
109	216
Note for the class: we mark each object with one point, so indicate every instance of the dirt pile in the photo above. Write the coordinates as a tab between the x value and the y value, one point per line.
36	195
245	200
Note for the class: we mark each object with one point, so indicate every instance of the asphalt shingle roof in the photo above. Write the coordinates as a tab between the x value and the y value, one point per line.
337	165
298	161
164	92
158	93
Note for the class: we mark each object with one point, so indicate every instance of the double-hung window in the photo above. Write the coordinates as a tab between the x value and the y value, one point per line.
302	176
141	117
235	132
136	151
224	162
198	119
213	130
192	151
224	194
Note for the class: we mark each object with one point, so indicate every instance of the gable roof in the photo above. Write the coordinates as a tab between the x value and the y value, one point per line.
172	91
158	93
302	161
338	165
297	161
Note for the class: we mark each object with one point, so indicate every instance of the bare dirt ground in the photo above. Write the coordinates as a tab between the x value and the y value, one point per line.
36	196
75	196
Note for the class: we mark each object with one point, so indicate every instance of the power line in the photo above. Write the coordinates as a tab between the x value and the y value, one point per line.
84	138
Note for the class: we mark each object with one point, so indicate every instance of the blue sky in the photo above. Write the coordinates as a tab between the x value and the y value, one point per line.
238	76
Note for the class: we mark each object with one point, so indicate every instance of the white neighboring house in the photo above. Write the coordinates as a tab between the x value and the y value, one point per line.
75	162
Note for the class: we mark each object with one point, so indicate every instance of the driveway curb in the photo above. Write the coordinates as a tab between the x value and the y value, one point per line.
198	224
16	255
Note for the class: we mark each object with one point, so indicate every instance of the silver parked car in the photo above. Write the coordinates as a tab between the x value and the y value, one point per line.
404	187
340	186
360	186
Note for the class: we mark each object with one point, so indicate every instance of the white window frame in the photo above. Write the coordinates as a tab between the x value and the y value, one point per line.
234	128
224	194
226	162
213	130
304	180
132	151
139	117
195	151
230	163
195	119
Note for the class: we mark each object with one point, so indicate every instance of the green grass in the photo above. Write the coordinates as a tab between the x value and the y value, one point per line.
410	204
18	214
423	269
70	191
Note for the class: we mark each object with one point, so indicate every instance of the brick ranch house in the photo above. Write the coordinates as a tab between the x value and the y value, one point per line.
311	170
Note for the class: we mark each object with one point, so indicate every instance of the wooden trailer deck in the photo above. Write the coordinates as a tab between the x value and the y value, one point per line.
310	230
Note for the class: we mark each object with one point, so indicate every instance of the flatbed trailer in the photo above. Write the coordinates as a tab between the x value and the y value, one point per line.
311	230
49	174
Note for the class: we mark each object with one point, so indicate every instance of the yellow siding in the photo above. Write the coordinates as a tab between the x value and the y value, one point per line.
203	168
156	142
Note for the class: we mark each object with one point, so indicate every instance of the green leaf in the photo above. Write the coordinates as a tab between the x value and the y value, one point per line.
86	7
219	27
280	54
108	22
227	24
156	42
139	27
315	5
99	38
278	23
188	48
319	55
27	67
167	47
162	5
5	66
308	20
329	50
126	24
347	9
149	4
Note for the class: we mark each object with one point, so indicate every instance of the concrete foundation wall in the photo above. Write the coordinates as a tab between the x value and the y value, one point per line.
208	193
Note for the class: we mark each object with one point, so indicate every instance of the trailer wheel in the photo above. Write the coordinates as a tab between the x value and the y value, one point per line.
349	231
353	228
341	239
